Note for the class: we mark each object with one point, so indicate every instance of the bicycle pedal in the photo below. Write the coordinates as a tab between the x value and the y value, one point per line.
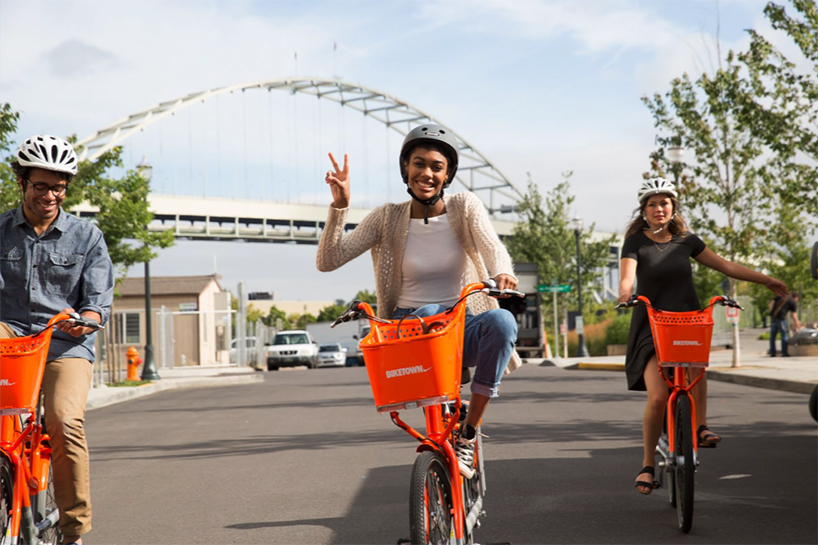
708	445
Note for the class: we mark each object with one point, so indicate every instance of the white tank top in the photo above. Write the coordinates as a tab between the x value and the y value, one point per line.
433	264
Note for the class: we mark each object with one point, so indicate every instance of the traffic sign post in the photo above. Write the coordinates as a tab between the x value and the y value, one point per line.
554	288
731	313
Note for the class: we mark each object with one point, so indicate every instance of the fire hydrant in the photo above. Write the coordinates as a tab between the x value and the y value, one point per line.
133	363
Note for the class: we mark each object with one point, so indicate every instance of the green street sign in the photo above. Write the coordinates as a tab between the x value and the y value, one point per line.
556	288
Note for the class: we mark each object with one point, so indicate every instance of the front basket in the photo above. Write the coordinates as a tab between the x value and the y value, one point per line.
22	361
406	366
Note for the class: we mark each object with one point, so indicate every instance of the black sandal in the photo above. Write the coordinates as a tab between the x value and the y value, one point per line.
707	438
649	485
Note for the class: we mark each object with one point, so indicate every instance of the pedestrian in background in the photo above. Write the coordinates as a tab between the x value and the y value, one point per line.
779	308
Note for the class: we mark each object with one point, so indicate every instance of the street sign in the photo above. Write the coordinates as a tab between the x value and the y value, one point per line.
731	313
554	288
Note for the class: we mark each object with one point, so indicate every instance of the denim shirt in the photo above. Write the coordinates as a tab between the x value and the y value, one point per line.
67	266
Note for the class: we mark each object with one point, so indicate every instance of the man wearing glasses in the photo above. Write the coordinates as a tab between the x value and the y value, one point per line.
51	261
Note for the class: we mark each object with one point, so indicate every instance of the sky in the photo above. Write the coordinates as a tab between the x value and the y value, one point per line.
539	87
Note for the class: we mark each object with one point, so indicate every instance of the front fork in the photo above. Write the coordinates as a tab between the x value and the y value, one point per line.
666	447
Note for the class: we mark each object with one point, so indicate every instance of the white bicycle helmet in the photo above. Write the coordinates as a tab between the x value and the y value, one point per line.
656	186
49	153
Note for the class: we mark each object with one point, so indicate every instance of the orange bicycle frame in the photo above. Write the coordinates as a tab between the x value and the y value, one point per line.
682	341
386	350
22	362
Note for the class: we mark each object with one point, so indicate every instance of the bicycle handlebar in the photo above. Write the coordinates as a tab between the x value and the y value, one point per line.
724	300
75	319
359	309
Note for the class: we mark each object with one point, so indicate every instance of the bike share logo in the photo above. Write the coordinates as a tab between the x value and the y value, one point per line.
5	382
687	343
403	371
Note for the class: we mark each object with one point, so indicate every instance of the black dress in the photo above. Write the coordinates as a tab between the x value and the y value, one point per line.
665	276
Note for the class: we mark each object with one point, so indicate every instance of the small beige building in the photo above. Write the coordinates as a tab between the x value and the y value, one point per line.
190	319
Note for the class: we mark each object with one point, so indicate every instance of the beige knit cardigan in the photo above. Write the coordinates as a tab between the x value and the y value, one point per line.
384	231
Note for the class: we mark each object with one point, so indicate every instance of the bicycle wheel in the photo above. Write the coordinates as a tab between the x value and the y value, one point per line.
42	505
473	492
668	470
684	468
6	494
430	501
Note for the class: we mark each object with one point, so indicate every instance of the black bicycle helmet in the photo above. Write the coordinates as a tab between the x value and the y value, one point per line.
440	137
433	134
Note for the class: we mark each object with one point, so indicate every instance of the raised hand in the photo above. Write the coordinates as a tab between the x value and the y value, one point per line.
338	182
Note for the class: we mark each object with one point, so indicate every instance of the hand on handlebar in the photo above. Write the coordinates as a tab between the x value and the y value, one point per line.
494	292
77	325
631	301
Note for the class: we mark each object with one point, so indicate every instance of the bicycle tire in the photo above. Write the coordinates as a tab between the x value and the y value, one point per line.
42	504
6	494
430	501
684	468
473	488
668	470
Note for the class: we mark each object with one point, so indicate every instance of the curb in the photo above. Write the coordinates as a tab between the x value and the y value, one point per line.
105	396
784	385
587	366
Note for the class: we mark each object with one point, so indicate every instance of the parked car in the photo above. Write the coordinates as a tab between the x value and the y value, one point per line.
331	355
250	343
291	349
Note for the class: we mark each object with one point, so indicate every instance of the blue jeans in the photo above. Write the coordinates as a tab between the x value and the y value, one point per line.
488	342
778	325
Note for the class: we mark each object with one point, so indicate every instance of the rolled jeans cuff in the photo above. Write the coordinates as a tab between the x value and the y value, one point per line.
487	390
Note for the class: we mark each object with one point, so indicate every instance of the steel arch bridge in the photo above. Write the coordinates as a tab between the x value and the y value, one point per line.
475	172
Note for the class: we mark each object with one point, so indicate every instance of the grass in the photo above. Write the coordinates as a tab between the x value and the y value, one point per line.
130	383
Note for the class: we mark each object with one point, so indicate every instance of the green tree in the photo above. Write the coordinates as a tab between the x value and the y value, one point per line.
300	321
274	315
544	236
367	297
122	203
330	313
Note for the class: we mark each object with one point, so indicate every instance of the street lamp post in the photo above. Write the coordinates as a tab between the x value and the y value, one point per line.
582	351
676	154
149	372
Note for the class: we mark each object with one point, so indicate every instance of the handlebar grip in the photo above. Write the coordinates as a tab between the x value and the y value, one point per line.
85	322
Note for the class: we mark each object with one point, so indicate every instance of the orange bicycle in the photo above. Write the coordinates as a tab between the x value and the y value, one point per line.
682	341
28	513
417	362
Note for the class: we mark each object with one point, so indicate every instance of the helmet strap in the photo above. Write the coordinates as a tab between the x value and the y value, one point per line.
427	202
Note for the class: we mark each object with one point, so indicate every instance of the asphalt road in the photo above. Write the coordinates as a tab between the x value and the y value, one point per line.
303	458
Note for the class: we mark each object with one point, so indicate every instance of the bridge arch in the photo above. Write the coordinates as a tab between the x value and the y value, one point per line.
475	172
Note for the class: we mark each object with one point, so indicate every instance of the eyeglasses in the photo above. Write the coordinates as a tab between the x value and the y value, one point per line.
42	188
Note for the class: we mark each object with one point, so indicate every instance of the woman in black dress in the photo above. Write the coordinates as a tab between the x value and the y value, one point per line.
656	253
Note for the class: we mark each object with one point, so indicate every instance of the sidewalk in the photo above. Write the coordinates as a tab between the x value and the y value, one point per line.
793	374
174	379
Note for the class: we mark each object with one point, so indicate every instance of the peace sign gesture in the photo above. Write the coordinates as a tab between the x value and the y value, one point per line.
339	182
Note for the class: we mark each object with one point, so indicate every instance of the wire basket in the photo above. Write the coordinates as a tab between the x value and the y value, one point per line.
408	366
682	339
22	362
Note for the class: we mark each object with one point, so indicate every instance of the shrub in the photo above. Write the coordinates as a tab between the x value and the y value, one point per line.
617	330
